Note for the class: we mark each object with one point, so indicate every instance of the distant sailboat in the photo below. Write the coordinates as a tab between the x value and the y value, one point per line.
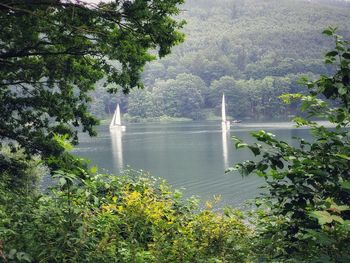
116	120
224	123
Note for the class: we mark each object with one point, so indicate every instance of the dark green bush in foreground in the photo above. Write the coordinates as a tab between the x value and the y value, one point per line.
128	218
306	215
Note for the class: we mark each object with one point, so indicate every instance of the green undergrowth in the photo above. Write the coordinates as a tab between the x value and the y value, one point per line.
105	218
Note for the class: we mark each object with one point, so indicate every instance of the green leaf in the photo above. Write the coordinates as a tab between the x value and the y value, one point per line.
337	219
62	140
94	169
21	256
323	259
240	145
346	55
12	253
345	185
324	217
320	236
329	61
338	208
343	156
62	181
332	54
254	149
301	121
342	90
327	32
319	172
346	225
289	98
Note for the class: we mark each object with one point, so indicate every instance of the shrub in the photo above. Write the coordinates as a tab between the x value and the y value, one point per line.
307	205
127	218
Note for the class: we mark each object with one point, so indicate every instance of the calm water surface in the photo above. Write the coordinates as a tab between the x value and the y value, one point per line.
191	155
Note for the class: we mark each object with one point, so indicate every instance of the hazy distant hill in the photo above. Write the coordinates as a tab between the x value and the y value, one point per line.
252	39
253	50
345	3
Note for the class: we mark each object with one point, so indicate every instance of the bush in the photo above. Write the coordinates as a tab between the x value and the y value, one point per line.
128	218
306	215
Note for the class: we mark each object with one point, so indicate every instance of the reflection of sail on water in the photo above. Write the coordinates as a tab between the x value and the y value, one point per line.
223	109
225	147
224	123
117	148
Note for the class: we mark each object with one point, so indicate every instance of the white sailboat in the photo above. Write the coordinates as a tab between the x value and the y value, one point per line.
225	124
116	120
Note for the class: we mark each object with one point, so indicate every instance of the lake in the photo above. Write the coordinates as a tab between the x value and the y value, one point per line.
191	156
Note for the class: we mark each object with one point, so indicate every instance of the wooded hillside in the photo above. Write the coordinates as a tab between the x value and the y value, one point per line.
253	50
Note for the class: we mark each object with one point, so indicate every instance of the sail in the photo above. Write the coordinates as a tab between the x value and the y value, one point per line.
223	109
117	121
113	120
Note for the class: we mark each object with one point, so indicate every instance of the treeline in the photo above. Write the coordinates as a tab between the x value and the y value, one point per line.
253	50
345	3
188	96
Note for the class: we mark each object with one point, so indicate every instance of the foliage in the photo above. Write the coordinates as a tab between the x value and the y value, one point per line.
307	206
180	97
53	52
254	99
27	173
263	45
127	218
141	103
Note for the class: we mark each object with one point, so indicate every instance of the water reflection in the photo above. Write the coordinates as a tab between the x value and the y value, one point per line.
117	149
225	134
188	155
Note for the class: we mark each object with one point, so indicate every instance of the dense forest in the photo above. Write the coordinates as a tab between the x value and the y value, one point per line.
252	50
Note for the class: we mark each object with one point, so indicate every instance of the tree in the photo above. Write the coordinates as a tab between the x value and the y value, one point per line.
141	104
236	96
180	97
308	199
53	51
